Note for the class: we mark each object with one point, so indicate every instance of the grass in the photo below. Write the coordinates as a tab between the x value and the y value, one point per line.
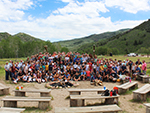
123	111
68	97
140	106
140	101
128	92
148	99
52	97
36	110
137	101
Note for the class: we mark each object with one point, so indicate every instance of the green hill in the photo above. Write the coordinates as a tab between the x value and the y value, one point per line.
25	37
4	35
22	45
129	41
74	44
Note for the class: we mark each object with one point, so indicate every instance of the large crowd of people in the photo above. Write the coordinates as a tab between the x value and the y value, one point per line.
71	66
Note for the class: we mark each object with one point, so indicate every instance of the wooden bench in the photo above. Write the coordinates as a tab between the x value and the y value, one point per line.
147	107
78	100
11	110
78	91
10	101
22	93
126	86
144	78
140	94
92	109
4	90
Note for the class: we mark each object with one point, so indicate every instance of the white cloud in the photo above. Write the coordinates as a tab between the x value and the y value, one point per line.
67	0
87	8
131	6
75	20
13	10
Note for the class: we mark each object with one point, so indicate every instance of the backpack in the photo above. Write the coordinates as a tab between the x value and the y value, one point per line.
106	92
114	93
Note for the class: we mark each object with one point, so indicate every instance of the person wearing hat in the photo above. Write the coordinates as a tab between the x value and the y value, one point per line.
6	67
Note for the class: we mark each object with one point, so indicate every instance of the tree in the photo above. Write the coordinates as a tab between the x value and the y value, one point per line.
135	43
144	50
64	49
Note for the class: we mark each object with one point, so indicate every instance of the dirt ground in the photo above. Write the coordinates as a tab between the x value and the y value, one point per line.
59	96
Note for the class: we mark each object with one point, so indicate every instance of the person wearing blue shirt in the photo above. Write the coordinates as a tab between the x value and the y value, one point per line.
114	68
137	72
83	75
67	76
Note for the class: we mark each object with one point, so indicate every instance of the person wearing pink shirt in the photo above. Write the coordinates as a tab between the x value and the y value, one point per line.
144	67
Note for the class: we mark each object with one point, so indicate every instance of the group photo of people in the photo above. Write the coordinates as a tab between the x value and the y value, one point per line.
72	67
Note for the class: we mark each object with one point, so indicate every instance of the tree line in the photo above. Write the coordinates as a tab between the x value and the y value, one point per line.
14	47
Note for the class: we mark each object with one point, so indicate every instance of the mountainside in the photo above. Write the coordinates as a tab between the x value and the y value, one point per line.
24	37
130	41
4	35
22	45
74	44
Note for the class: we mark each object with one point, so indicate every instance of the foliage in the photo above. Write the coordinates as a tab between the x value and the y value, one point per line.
144	50
64	49
14	47
74	44
127	42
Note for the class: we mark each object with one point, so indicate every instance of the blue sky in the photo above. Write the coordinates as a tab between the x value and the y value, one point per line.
57	20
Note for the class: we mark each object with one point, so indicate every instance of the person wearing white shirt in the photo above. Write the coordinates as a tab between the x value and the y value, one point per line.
6	67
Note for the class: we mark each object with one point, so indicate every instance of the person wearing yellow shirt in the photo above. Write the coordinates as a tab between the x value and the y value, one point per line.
46	67
102	67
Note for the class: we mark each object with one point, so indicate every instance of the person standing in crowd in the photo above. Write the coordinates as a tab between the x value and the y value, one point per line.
144	67
6	67
70	66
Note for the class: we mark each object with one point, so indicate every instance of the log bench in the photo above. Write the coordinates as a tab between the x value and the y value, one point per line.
10	101
92	109
22	93
11	110
147	107
4	90
141	93
126	86
79	100
78	91
144	78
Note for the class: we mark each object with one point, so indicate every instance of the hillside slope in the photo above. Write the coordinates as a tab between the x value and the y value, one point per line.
130	41
74	44
23	37
22	45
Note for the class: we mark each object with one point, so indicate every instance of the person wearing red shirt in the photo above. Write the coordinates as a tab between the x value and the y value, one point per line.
88	74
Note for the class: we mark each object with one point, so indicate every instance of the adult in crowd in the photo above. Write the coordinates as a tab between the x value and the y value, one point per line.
71	66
